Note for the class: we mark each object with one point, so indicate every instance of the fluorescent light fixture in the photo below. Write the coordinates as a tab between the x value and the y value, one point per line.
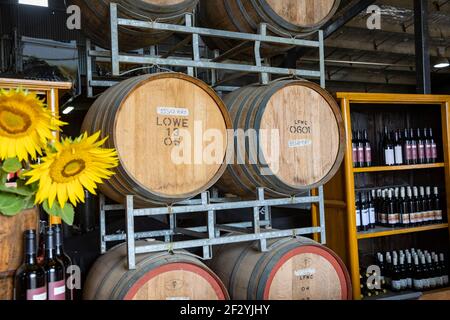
39	3
68	110
442	63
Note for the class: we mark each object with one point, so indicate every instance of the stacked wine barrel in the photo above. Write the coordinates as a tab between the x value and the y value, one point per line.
147	119
294	269
95	20
158	276
284	18
300	143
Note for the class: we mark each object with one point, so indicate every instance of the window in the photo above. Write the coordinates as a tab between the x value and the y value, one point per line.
40	3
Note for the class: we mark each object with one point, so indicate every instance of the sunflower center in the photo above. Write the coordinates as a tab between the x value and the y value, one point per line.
73	168
14	121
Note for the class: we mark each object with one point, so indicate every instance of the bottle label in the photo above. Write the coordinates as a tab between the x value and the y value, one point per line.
383	218
438	215
439	281
413	152
392	218
358	218
404	284
57	290
408	151
368	154
412	218
398	155
426	283
372	216
396	284
360	154
445	280
365	217
409	283
434	151
355	155
37	294
421	151
419	217
418	284
428	151
405	218
389	157
433	282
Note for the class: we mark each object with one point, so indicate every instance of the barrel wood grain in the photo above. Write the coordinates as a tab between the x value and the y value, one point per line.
306	123
294	269
158	276
146	140
95	20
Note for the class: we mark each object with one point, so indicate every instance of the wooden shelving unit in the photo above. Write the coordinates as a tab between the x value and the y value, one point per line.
342	236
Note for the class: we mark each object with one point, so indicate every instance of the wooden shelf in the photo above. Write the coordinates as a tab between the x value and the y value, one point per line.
399	168
386	232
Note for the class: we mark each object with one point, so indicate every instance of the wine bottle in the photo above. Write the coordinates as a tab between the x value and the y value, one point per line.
428	148
407	152
444	269
355	149
398	150
387	275
41	242
54	269
438	216
388	149
420	148
383	209
361	159
430	209
63	257
414	148
372	213
423	199
396	281
434	150
391	215
418	205
397	205
367	150
365	215
29	280
403	276
432	272
409	271
381	265
439	274
358	213
405	220
418	275
425	272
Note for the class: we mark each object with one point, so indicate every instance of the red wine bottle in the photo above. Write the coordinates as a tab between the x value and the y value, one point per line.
54	269
407	152
355	149
388	149
414	148
420	148
428	148
361	158
434	151
367	150
63	257
29	281
358	213
398	149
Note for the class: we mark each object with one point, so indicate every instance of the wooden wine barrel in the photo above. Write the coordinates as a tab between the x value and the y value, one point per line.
12	247
95	20
299	117
158	276
149	119
283	17
293	269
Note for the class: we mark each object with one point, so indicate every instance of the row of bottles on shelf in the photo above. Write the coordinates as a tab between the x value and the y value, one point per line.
400	147
406	270
398	207
42	276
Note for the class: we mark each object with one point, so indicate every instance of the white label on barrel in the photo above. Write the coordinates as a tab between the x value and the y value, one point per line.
178	298
299	143
169	111
305	272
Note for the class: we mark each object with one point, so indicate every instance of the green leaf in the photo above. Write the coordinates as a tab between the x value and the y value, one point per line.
12	165
3	177
11	205
19	190
67	213
29	203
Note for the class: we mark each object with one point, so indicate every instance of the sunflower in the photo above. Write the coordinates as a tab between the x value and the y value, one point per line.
26	124
73	164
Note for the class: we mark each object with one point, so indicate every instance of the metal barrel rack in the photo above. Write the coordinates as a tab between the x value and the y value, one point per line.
196	61
205	237
259	229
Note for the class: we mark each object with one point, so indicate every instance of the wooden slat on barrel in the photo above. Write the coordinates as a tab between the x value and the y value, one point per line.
158	276
164	128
